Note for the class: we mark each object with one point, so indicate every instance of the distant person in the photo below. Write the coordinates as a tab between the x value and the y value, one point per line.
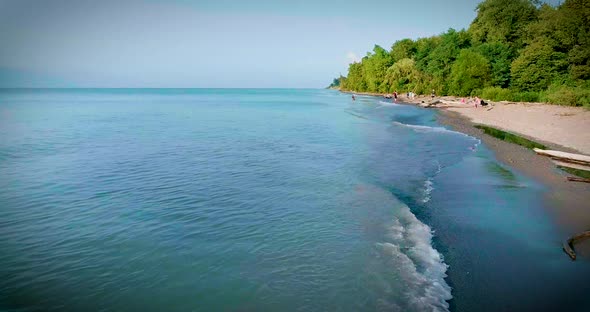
395	96
353	98
477	100
432	94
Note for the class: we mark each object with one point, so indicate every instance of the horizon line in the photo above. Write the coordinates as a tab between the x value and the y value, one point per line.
194	88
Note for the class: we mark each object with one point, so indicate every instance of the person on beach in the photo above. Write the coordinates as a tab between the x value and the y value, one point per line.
476	101
432	94
353	98
395	96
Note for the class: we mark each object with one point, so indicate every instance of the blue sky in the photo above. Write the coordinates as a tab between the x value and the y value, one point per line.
221	43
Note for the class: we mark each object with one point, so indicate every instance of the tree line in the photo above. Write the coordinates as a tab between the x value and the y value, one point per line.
517	50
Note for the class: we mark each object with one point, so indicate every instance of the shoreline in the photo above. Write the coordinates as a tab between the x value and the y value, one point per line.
565	202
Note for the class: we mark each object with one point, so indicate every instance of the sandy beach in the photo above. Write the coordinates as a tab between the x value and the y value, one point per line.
559	127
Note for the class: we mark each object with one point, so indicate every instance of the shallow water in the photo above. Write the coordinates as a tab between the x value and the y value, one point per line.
235	199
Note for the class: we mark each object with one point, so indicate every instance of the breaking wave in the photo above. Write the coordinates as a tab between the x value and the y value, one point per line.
426	129
417	263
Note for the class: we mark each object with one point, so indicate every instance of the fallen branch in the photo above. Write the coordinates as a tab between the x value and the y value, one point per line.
568	245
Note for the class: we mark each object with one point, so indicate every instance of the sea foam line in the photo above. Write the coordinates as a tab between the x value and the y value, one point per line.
389	103
429	184
421	128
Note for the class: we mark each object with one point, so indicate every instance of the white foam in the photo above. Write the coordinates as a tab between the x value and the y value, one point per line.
389	103
429	184
420	128
419	265
428	188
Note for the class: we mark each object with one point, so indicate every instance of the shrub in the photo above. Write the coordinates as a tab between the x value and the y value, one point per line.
567	95
496	94
561	95
529	96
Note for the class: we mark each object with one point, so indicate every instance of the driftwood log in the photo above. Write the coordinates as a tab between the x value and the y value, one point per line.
568	245
571	165
565	157
574	179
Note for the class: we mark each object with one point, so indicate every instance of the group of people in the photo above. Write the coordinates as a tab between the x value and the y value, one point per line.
476	101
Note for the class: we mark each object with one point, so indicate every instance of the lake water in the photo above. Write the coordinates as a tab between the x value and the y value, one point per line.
263	200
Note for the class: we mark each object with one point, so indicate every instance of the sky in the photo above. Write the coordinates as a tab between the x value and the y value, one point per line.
206	44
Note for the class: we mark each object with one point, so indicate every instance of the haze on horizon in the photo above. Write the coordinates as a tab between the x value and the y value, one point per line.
183	43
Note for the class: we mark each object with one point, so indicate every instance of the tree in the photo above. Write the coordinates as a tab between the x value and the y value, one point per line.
375	66
500	57
442	57
405	48
503	21
402	75
470	71
538	66
355	80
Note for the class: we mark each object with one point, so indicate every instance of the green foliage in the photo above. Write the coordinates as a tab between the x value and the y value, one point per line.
529	96
510	137
497	94
375	67
500	56
515	50
538	66
441	59
336	82
567	95
405	48
355	80
503	21
402	76
470	71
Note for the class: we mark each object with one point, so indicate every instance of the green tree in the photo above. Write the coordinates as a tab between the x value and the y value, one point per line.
503	21
355	80
425	46
405	48
442	57
538	66
375	66
402	75
500	56
470	71
567	30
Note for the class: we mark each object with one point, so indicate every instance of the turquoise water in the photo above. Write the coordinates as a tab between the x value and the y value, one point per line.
262	200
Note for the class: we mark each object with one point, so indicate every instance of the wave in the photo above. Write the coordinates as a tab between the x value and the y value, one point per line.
426	129
418	264
389	103
428	188
429	184
422	128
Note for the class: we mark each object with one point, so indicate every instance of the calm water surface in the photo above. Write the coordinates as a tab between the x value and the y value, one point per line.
262	200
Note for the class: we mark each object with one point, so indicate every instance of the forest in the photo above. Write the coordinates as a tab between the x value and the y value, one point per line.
515	50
